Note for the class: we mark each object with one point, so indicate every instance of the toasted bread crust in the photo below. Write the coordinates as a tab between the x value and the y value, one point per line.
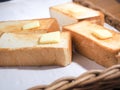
58	54
65	9
46	25
101	51
110	8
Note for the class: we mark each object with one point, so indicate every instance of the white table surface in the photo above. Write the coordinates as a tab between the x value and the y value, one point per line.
22	78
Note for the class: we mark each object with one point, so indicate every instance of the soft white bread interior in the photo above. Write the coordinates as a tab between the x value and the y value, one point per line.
12	40
69	13
102	50
25	50
30	26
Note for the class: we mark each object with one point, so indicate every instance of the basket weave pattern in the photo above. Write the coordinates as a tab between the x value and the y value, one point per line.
108	79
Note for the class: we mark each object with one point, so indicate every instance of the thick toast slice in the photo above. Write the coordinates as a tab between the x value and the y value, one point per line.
69	13
103	50
25	50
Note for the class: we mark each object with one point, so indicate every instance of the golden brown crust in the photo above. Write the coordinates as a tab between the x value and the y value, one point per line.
118	57
95	17
68	50
46	25
101	51
1	33
98	19
54	26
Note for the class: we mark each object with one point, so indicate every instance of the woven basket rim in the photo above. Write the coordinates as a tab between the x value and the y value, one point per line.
93	79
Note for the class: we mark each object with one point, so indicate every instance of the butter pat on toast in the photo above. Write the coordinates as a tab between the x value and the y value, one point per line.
29	26
25	50
32	25
103	51
102	34
53	37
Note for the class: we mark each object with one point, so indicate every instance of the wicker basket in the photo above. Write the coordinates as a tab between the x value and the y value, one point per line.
108	79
